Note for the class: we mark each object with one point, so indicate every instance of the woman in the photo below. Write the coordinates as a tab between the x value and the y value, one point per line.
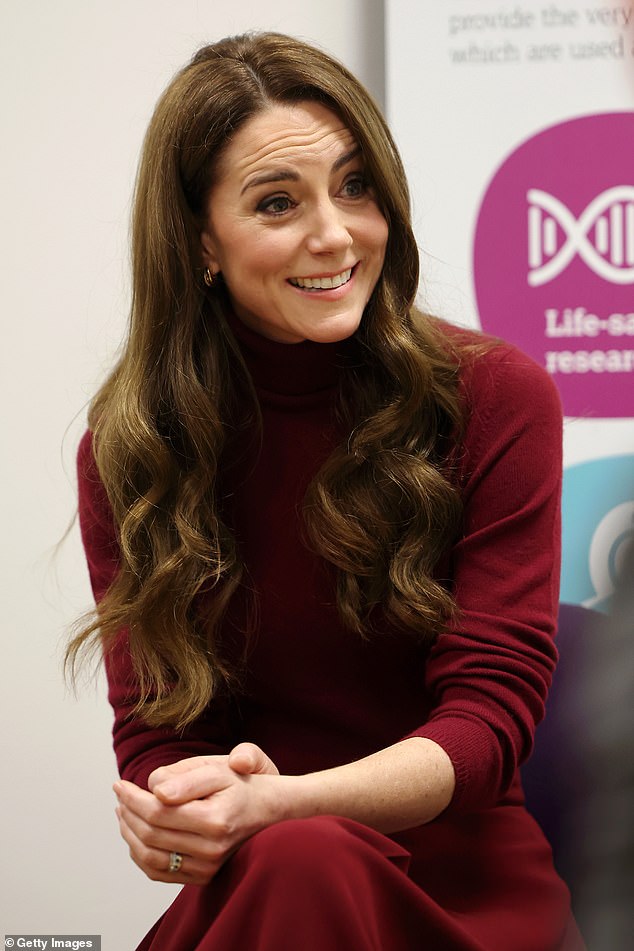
322	533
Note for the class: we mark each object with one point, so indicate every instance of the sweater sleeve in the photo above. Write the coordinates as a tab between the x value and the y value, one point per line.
139	748
489	675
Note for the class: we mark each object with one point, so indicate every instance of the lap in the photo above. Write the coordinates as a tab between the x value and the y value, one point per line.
321	884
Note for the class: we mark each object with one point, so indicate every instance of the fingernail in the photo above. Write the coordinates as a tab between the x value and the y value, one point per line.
117	788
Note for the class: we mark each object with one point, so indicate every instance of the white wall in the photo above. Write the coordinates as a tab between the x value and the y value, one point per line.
79	80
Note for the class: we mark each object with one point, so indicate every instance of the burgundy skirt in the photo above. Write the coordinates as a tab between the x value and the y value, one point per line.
328	883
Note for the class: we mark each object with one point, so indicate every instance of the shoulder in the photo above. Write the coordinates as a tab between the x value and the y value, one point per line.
512	408
497	377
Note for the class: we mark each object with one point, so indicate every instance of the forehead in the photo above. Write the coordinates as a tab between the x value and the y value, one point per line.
295	133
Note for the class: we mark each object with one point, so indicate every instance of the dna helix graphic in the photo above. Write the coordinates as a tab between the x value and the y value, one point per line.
602	236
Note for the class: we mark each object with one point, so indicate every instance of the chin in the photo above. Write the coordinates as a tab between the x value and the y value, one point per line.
333	330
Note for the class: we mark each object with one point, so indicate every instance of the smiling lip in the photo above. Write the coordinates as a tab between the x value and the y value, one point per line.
326	283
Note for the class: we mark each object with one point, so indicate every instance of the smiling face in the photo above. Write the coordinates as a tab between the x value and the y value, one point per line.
294	226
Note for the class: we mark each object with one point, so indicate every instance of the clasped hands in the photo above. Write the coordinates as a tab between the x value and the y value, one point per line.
203	808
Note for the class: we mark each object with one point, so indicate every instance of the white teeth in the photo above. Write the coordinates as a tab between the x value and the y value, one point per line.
322	283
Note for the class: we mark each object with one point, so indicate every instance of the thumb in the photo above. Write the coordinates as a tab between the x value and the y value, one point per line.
249	758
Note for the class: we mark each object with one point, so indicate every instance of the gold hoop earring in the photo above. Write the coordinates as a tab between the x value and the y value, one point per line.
209	277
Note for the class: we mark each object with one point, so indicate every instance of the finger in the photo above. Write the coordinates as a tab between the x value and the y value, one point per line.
209	844
165	840
164	773
147	807
155	863
249	758
186	817
197	783
135	798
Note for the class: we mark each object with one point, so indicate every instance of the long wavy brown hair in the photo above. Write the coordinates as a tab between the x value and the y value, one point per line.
383	507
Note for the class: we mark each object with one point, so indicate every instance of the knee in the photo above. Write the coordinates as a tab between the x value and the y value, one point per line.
304	837
305	846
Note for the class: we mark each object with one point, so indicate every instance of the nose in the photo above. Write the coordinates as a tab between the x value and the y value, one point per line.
329	230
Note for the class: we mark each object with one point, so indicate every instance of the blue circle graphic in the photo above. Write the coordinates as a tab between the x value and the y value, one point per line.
591	491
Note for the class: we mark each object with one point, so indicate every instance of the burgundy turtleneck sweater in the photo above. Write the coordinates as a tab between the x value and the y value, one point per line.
316	695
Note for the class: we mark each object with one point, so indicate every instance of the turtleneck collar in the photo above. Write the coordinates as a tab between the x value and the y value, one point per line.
289	369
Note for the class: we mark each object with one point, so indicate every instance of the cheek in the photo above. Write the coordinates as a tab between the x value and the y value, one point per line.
383	234
377	233
263	255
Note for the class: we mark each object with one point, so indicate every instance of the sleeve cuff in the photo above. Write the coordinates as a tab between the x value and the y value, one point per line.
476	758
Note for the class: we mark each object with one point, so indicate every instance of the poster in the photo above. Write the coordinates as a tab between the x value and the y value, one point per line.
516	125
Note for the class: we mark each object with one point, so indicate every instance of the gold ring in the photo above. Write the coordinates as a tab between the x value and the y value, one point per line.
176	860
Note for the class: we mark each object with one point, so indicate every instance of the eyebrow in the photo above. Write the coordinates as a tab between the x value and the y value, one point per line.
288	175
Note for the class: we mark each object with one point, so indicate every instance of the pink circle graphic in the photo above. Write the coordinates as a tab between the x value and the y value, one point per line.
554	259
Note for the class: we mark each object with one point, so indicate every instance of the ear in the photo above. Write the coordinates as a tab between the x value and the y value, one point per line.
209	254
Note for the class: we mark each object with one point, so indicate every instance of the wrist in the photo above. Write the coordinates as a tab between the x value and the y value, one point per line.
301	797
280	797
